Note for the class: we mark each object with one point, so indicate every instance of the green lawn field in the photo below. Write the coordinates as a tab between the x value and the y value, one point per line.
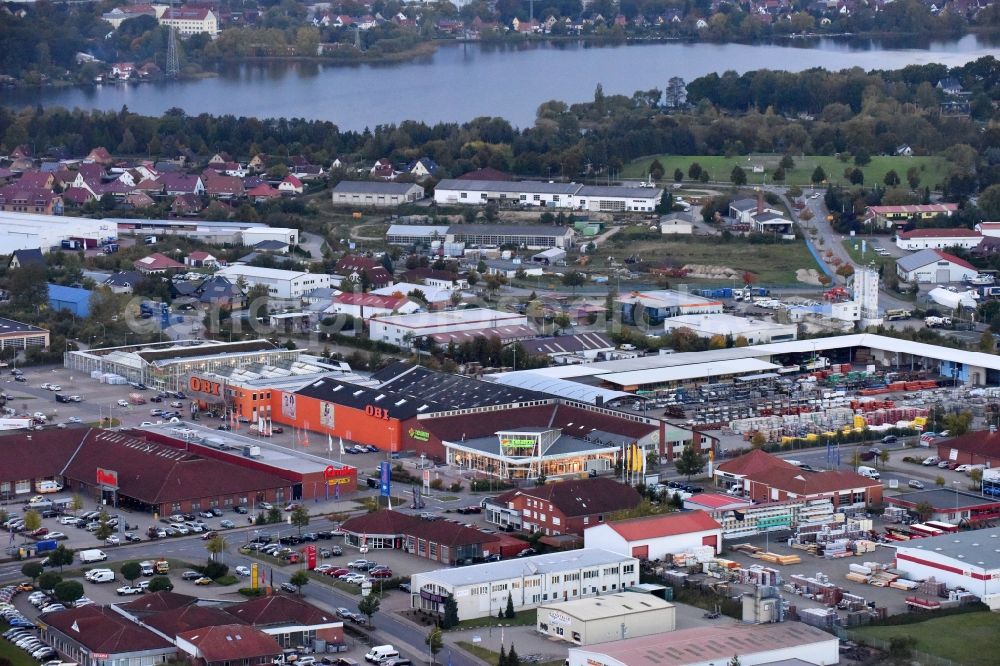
772	264
932	169
966	639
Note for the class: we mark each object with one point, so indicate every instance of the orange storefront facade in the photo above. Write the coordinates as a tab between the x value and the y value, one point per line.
368	424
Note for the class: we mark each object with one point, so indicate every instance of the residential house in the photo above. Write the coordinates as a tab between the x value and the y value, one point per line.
423	168
90	177
44	202
950	86
358	270
220	291
123	282
122	70
201	259
181	183
568	507
35	180
219	186
263	193
138	200
99	155
156	264
290	185
22	258
383	169
186	205
77	196
904	150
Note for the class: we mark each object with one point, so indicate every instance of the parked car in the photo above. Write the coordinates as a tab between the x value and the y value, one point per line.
190	575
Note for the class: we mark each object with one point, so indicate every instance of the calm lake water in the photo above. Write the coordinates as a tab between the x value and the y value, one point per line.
462	81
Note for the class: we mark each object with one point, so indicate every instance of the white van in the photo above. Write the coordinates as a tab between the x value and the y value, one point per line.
380	653
103	577
92	555
96	572
48	487
869	472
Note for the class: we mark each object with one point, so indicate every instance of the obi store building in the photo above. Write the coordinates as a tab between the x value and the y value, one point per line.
531	453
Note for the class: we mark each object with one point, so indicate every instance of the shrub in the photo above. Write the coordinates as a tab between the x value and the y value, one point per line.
251	592
214	570
456	487
437	484
228	579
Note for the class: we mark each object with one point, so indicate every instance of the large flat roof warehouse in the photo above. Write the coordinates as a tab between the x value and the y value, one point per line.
522	566
372	187
539	186
767	351
668	298
714	644
261	273
980	548
682	373
558	387
31	231
231	445
451	391
420	320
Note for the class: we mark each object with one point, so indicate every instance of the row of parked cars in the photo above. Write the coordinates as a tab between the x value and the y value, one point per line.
28	640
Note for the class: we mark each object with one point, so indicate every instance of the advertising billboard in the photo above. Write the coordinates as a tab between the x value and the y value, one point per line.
385	478
288	405
326	418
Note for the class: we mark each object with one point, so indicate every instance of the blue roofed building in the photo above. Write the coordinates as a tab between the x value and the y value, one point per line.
73	299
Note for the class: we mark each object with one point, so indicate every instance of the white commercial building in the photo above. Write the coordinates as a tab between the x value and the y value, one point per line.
781	643
755	331
402	330
482	590
970	560
279	283
30	231
376	194
938	239
609	617
677	224
610	199
415	234
432	295
531	237
255	235
934	266
657	537
191	20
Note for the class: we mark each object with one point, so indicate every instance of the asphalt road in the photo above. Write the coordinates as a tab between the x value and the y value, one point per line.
388	628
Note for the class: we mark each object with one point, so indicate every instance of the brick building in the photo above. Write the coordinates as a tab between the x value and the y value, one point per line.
767	478
568	507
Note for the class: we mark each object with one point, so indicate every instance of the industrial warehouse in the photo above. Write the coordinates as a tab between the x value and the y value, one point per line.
161	472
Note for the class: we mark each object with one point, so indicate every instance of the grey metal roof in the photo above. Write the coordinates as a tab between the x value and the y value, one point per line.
562	388
509	230
426	230
653	193
372	187
550	563
532	186
912	262
978	548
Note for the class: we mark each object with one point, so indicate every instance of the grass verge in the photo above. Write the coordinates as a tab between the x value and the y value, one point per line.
965	638
491	657
11	653
521	619
932	170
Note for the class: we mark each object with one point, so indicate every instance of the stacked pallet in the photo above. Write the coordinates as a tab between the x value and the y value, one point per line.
857	578
775	558
904	585
882	579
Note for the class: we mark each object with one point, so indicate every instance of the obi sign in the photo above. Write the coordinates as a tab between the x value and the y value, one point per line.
199	385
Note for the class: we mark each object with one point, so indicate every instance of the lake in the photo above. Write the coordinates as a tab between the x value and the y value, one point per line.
462	81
